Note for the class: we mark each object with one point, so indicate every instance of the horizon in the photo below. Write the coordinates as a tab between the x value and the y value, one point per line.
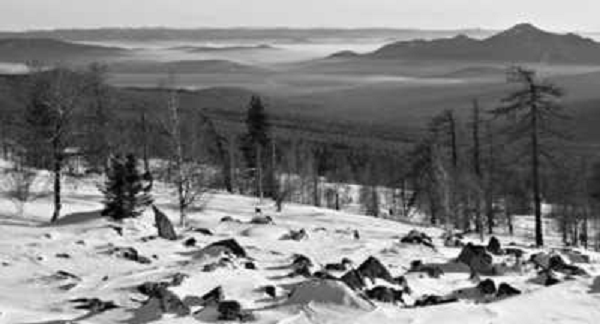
443	15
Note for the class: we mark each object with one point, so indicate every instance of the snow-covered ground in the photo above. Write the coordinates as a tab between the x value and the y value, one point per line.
31	253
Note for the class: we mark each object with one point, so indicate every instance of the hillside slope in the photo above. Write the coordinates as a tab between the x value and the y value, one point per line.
32	290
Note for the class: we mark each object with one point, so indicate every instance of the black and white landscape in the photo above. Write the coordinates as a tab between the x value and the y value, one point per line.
395	164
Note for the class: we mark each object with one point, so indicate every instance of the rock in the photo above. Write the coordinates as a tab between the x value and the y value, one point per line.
229	310
556	263
164	225
271	291
494	246
431	300
301	260
342	266
506	290
385	294
402	282
227	219
595	288
546	278
167	301
324	275
329	292
151	288
295	235
129	253
231	245
262	220
64	275
432	270
202	231
94	305
354	280
356	235
477	259
576	256
518	253
63	256
487	287
213	297
250	266
372	268
416	237
191	242
540	260
178	279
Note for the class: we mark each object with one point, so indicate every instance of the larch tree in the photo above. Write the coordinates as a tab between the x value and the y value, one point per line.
534	110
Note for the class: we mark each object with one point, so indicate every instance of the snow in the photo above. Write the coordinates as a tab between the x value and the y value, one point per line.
30	292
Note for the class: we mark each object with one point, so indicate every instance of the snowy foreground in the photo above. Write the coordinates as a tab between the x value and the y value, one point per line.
31	254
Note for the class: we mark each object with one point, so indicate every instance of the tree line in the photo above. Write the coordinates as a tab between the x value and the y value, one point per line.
471	174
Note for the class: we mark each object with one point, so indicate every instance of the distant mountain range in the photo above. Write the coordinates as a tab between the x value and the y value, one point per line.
50	50
301	35
522	43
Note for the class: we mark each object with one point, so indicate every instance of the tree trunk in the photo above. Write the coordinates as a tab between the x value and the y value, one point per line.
537	199
259	176
57	183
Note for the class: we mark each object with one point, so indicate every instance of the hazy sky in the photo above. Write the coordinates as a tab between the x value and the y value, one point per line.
572	15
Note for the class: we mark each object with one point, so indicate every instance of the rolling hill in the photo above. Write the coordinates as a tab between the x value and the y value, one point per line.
522	43
20	50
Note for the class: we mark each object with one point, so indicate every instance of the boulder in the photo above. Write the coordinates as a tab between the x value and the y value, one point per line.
164	225
229	310
494	246
487	287
166	301
324	275
477	259
517	253
203	231
94	305
178	279
262	220
354	280
432	270
130	254
431	300
191	242
506	290
249	265
271	291
385	294
416	237
230	245
329	292
576	256
556	263
213	297
372	268
301	260
295	235
595	288
546	278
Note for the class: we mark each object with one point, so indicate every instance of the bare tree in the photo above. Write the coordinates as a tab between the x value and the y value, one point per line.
53	98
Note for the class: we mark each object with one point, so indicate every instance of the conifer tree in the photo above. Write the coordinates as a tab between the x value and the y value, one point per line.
126	192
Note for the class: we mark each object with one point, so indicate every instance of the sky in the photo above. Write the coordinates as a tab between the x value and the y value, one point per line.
557	15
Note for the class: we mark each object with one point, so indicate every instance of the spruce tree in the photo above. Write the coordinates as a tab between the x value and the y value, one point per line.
126	191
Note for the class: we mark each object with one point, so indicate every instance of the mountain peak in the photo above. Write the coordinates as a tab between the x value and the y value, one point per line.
524	29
